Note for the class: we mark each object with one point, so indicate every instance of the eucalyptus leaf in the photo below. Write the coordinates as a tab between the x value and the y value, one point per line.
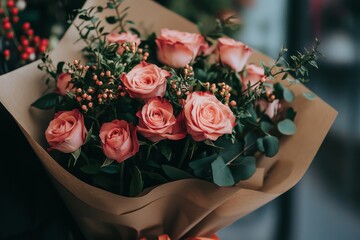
309	95
271	145
202	162
175	173
287	127
243	168
266	126
288	95
222	175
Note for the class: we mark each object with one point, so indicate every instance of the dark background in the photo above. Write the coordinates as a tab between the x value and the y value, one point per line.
326	202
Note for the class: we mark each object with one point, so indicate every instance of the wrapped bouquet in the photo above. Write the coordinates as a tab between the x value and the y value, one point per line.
158	129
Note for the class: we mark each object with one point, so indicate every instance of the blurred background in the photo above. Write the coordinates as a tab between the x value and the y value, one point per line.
325	204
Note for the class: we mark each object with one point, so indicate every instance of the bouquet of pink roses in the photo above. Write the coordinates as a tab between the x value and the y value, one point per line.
176	125
139	113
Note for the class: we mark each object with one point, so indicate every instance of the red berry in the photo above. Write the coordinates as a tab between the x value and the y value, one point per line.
42	48
5	19
14	11
11	4
25	42
29	50
6	53
10	35
26	25
15	19
30	32
36	39
44	42
24	56
7	26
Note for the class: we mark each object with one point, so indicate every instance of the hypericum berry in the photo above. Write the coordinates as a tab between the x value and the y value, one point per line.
79	90
108	73
15	19
88	97
10	35
272	97
14	11
30	32
26	26
7	26
78	98
24	56
29	50
25	42
84	107
90	104
7	53
233	103
36	39
76	62
42	48
10	4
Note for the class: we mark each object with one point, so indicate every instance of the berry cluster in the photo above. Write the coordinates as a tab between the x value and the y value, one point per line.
18	43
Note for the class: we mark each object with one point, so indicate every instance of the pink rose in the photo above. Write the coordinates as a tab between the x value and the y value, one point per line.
270	108
66	132
121	38
176	49
157	121
145	81
232	53
63	83
252	76
119	140
206	117
205	48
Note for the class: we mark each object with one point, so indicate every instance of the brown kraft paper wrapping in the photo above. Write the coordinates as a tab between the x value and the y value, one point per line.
181	208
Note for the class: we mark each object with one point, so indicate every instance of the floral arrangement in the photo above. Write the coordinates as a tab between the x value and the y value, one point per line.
143	111
18	43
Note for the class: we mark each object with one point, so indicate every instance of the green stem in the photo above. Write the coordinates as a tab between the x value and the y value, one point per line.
238	155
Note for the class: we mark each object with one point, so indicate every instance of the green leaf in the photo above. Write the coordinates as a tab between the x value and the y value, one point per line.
110	5
288	95
260	144
107	162
222	175
287	127
59	67
309	95
90	169
111	19
175	173
89	134
290	114
230	149
111	169
154	176
136	183
271	145
266	126
76	155
99	9
202	162
47	101
243	168
165	150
